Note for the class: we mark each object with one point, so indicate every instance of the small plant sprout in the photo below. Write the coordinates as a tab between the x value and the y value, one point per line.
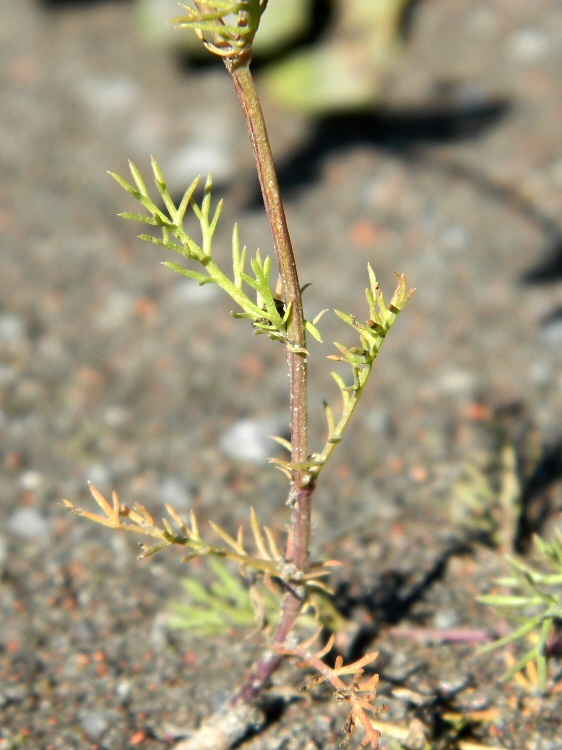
285	584
358	694
535	604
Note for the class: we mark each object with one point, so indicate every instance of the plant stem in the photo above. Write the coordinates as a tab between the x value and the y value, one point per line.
301	484
300	489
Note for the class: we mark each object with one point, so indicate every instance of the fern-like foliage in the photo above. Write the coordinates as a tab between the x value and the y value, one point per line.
266	312
358	694
233	602
535	604
361	359
225	605
267	560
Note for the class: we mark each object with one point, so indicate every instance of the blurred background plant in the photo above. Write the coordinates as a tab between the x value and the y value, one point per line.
534	604
230	603
502	493
224	606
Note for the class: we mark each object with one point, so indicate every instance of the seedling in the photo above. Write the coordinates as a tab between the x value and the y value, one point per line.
534	604
227	28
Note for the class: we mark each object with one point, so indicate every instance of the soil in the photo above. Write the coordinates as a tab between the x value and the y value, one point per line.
117	371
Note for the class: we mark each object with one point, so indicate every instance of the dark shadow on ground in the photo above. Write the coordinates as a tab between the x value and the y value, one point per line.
409	134
538	468
400	131
391	600
549	269
536	502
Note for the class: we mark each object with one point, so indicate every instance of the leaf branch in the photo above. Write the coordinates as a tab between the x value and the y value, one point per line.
266	313
269	560
361	360
358	693
138	520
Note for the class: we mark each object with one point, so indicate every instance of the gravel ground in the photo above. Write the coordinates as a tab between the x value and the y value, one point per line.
117	371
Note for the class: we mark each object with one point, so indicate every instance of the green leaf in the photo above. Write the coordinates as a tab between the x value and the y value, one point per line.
162	188
158	241
238	258
311	328
140	217
504	600
137	177
125	185
283	442
511	637
186	200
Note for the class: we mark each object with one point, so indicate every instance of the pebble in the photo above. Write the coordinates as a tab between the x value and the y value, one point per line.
13	329
123	689
108	94
456	238
189	291
198	157
117	311
94	723
528	45
29	523
446	619
378	421
99	475
115	416
541	373
174	492
249	439
31	480
456	381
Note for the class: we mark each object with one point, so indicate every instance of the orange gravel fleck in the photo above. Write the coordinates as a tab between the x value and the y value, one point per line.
477	412
364	233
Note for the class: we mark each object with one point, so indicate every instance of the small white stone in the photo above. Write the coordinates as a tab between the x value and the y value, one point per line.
12	329
456	237
31	480
378	421
189	291
109	94
94	723
115	416
198	157
98	474
175	493
446	620
124	689
29	523
456	381
528	45
116	312
249	439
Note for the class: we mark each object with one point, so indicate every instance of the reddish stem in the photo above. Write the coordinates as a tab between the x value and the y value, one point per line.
301	485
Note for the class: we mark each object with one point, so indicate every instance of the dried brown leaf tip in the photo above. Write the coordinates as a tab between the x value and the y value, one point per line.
359	693
138	520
